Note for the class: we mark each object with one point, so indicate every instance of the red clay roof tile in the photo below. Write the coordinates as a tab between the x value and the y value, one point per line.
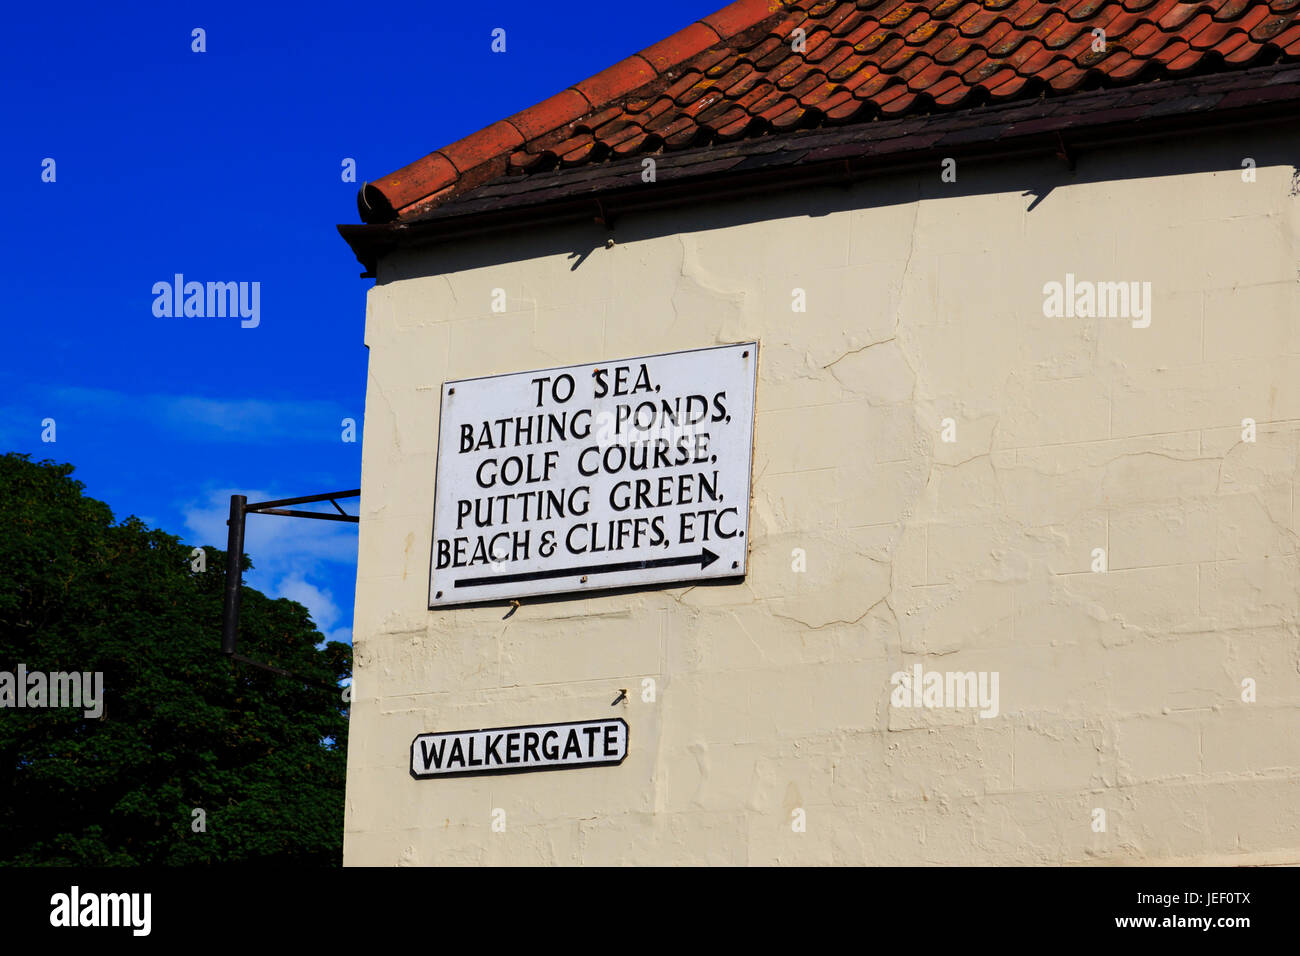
842	55
483	155
682	45
866	82
818	95
1185	61
950	91
579	155
891	14
682	133
1082	9
1211	34
617	80
785	69
974	57
1244	53
770	51
1126	65
561	108
856	20
863	30
835	17
894	100
1270	28
734	124
1172	51
1255	16
1232	9
819	44
631	145
796	19
711	62
873	40
1031	56
735	17
1176	16
1289	39
735	73
1003	40
783	114
923	73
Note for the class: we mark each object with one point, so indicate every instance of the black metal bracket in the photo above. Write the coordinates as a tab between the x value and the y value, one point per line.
240	509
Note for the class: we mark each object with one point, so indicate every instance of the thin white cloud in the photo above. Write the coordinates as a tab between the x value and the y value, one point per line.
195	418
324	612
341	634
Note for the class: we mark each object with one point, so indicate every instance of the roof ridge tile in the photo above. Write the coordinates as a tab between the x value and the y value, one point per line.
623	77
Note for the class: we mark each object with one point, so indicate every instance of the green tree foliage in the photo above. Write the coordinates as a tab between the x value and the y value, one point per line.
183	727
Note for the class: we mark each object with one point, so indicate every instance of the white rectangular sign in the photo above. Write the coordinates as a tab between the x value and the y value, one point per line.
587	743
611	475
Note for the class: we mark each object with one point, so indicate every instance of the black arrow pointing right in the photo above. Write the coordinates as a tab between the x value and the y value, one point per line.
703	559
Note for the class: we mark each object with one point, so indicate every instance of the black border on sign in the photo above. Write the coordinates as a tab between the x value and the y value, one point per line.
733	577
497	771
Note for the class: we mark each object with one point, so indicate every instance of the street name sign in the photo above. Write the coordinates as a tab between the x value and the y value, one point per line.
586	743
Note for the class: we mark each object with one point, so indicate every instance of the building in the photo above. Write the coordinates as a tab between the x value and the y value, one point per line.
1023	282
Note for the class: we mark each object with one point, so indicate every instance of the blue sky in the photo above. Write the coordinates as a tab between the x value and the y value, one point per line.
225	166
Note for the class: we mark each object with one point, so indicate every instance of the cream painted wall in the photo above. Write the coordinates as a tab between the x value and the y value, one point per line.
1118	690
